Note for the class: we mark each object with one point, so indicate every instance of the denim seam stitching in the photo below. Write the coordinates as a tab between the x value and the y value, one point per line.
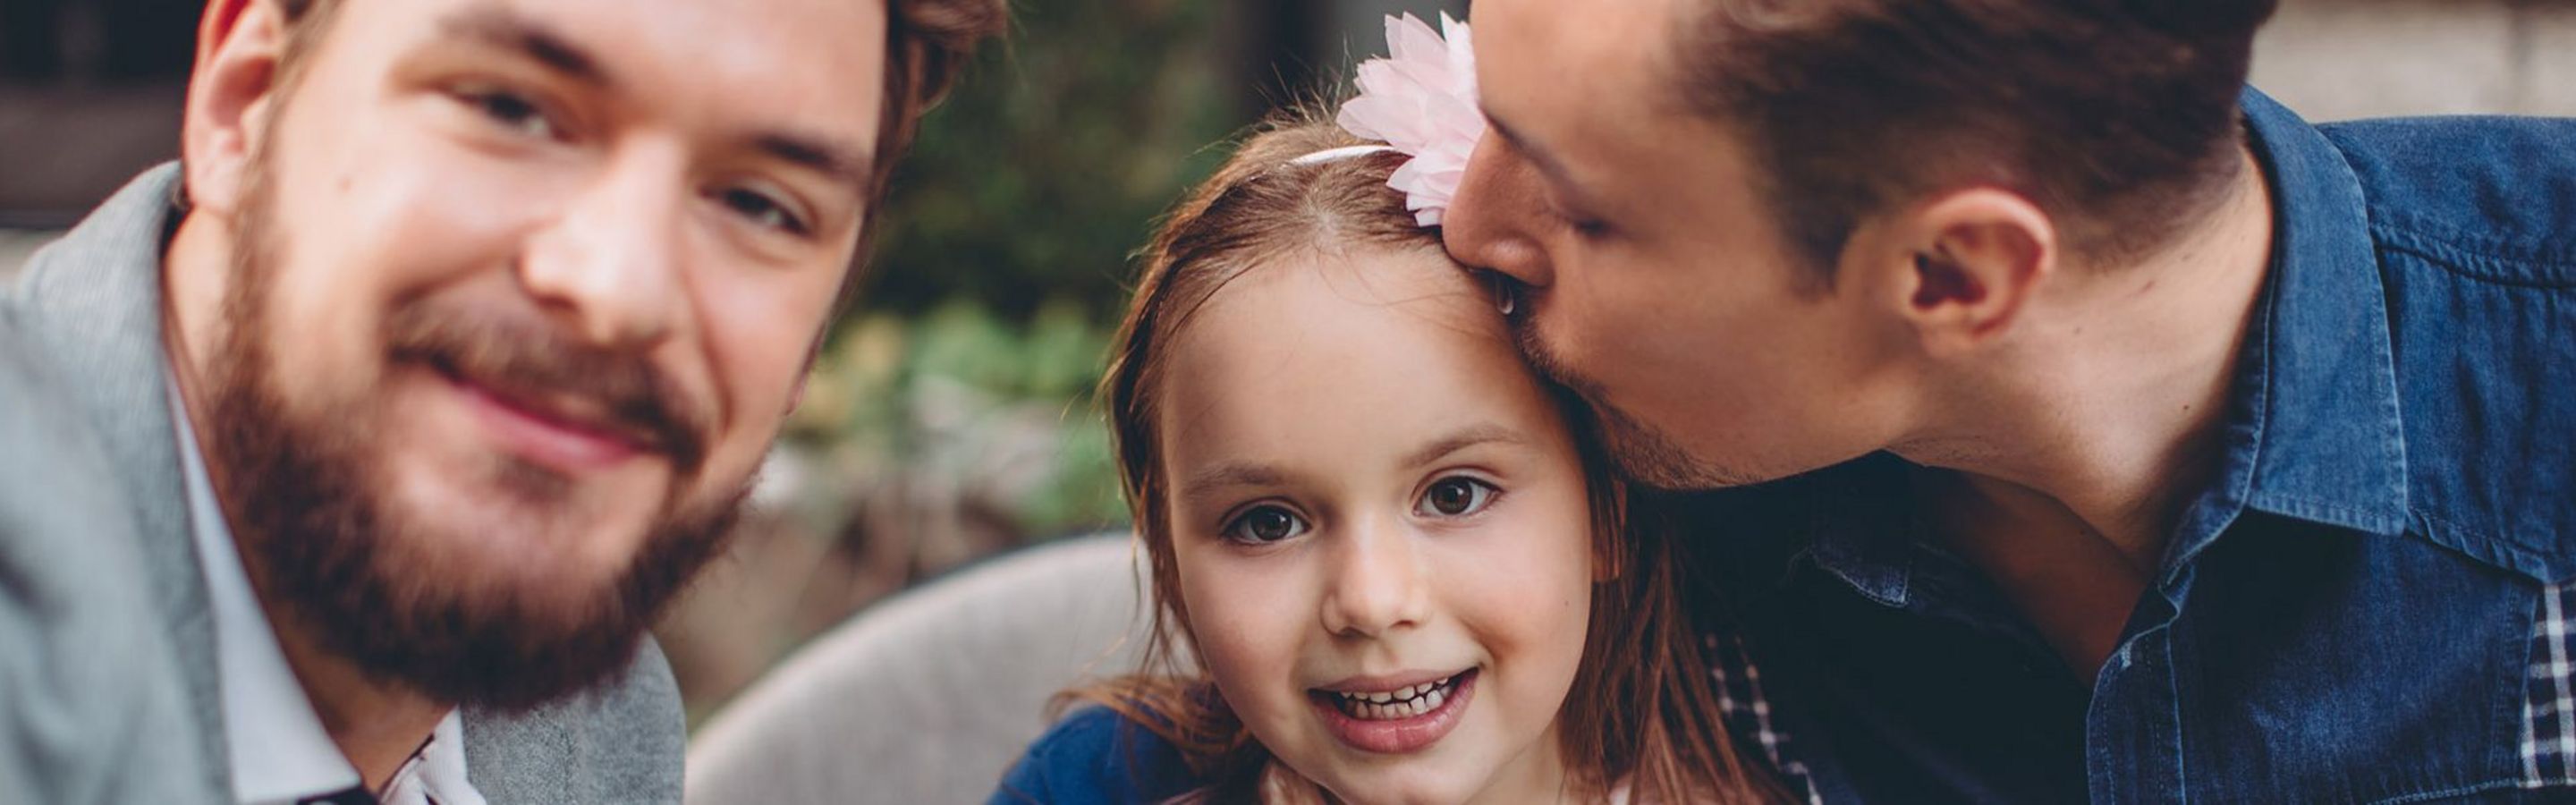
2540	552
2455	791
2463	261
2545	249
2173	685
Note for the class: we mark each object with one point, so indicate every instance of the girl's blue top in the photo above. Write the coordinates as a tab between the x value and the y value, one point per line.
1096	757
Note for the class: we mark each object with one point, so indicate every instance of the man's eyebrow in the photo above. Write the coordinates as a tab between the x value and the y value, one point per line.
511	30
1226	475
842	161
1547	162
1462	439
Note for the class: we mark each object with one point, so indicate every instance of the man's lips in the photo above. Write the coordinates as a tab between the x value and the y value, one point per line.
554	431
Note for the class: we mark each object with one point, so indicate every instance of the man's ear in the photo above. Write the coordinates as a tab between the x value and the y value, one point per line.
1961	267
232	94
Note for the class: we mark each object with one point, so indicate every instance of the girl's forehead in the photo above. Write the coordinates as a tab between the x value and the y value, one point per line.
1371	348
1365	281
1309	306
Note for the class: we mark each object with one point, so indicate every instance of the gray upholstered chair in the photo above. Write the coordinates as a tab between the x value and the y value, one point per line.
930	695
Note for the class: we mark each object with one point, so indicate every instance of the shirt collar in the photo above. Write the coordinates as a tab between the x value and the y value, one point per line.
279	751
1867	532
2313	430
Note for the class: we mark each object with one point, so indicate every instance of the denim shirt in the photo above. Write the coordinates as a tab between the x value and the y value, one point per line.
2364	605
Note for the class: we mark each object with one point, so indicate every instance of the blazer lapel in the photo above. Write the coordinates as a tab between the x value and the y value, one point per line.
92	302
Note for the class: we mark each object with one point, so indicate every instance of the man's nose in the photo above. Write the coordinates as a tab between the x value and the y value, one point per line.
1489	223
1374	582
609	267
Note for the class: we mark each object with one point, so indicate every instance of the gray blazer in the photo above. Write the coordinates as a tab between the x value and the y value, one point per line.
108	689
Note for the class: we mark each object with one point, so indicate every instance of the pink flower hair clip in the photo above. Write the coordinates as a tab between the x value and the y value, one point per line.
1421	100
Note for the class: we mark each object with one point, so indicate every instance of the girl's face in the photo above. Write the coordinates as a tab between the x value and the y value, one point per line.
1381	528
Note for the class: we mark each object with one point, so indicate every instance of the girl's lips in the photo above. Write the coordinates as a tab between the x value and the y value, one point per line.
1397	736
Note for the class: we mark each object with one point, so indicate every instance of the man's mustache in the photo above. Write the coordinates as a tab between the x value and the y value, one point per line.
523	359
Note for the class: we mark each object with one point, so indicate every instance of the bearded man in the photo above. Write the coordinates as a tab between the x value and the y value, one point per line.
362	446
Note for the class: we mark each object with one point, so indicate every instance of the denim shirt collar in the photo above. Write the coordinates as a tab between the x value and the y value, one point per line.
2312	430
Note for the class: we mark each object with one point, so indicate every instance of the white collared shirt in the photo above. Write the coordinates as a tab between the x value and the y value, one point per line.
280	752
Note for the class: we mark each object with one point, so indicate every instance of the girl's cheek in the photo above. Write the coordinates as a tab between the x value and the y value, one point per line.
1237	622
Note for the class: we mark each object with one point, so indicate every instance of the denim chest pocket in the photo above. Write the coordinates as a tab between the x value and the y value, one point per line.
2314	664
2483	369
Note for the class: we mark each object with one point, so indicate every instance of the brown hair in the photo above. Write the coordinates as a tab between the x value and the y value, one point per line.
1642	708
2117	117
927	45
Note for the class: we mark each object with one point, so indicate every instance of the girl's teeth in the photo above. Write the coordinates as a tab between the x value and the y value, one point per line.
1405	702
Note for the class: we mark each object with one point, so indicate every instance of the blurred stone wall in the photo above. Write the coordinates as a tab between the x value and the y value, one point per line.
2343	59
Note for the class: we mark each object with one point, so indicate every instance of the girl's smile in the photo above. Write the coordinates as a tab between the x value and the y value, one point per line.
1376	716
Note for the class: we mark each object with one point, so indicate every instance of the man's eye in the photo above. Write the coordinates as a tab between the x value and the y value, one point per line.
1455	496
1584	226
762	209
1264	525
512	111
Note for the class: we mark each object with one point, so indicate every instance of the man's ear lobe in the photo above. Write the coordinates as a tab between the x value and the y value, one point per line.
1977	258
232	96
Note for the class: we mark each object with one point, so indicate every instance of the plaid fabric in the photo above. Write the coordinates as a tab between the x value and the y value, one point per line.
2549	695
1748	713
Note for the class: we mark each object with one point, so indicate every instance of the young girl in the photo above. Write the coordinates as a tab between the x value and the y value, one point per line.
1389	563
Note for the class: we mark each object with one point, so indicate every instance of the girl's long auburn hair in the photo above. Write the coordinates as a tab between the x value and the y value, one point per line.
1643	708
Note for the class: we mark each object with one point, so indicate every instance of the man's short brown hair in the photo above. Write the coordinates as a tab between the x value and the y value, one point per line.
2117	117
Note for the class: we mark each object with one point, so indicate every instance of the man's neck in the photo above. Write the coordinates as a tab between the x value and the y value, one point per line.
2100	422
376	727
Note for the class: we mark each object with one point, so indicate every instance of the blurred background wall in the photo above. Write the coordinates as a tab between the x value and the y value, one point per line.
950	417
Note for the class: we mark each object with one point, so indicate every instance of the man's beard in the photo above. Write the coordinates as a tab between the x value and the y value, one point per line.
1643	452
310	504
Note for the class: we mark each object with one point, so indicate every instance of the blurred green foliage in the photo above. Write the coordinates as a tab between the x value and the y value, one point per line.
996	413
1045	170
967	365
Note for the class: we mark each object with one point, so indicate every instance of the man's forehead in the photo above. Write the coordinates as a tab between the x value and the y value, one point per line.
801	79
1613	59
1562	81
1583	45
751	49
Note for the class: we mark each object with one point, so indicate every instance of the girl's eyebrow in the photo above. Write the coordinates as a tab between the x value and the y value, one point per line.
1236	474
1461	439
1229	475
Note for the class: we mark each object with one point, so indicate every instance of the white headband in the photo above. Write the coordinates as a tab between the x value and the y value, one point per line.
1344	152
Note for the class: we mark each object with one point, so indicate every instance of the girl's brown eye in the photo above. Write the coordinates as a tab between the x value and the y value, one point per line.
1455	497
1264	525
